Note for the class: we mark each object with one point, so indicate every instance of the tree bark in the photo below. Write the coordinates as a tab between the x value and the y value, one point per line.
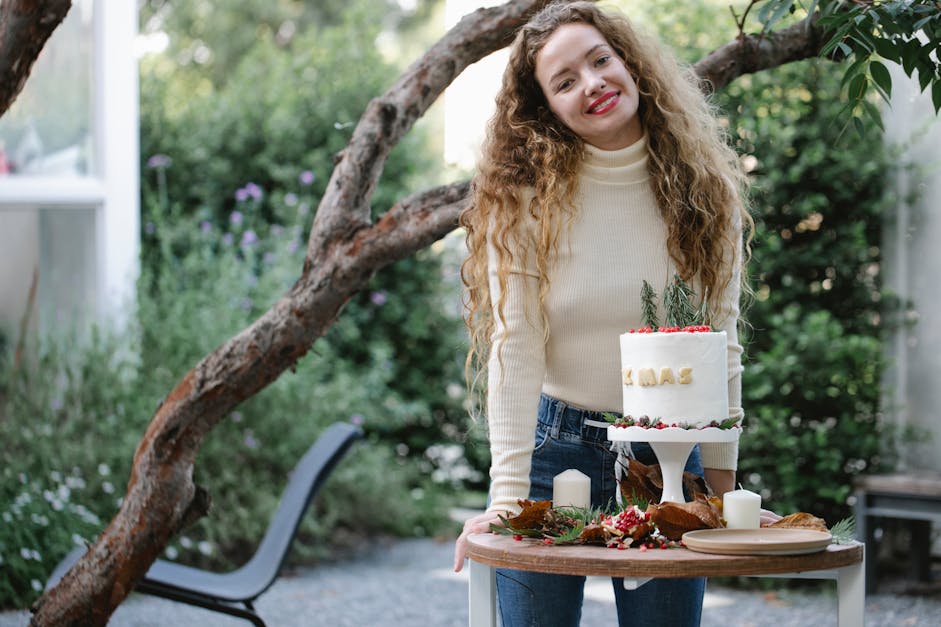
344	249
25	25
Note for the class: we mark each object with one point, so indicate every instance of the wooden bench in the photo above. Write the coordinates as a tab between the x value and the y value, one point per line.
915	497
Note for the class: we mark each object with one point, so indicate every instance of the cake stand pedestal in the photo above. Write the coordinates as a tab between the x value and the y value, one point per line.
672	447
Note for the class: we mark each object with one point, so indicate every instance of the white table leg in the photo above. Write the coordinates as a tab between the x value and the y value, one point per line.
851	592
482	592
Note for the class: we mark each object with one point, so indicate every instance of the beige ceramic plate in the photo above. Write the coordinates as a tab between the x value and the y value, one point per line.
767	541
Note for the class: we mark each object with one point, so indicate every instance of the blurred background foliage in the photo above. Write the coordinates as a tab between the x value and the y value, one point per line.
241	116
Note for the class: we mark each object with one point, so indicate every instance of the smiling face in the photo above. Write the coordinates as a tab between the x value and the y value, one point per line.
588	87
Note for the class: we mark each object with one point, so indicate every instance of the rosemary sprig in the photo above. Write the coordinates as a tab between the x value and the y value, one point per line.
844	532
648	300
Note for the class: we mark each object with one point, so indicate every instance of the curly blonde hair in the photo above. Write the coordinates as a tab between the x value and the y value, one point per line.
697	178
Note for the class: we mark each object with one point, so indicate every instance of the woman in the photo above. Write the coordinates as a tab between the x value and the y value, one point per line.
603	167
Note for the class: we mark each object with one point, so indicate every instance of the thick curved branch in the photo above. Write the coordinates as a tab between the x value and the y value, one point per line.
25	25
753	53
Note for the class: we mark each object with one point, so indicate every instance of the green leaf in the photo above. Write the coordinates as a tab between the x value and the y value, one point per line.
882	78
886	50
936	96
911	51
777	10
858	124
609	417
925	75
873	114
857	88
855	69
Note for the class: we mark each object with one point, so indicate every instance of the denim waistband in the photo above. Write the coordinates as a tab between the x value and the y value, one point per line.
561	418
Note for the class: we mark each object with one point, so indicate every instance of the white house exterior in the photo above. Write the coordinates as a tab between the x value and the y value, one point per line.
912	260
69	182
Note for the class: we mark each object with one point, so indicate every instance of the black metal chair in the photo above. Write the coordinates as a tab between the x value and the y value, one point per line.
234	592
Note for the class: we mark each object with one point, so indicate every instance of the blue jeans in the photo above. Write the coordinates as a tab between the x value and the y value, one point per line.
530	599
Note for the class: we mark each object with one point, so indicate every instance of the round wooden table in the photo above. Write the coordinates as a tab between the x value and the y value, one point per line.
843	562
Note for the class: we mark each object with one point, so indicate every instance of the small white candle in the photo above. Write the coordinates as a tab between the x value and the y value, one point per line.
741	509
571	488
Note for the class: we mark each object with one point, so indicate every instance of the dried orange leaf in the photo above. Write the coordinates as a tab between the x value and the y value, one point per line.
801	520
675	519
532	516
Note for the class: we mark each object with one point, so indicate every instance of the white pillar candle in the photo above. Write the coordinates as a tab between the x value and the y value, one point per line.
741	509
571	488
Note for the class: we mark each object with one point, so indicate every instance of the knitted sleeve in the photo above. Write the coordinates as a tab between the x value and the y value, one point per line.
516	370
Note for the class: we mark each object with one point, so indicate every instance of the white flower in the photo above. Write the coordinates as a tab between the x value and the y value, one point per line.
103	470
36	584
205	547
171	552
108	487
185	542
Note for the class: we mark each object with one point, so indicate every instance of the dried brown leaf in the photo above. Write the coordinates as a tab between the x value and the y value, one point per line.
801	520
532	516
593	533
675	519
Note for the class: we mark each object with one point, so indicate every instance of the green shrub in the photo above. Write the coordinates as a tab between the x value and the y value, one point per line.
814	359
74	417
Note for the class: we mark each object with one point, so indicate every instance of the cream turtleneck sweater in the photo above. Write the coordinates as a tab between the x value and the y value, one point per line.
616	241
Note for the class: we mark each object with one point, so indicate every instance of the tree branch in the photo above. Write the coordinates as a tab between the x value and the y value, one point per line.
25	25
753	53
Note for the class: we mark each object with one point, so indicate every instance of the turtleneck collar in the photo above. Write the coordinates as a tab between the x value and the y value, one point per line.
626	165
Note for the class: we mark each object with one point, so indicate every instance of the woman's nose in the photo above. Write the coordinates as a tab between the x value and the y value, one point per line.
594	84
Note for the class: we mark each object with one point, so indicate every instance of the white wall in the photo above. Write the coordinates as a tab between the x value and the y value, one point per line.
912	265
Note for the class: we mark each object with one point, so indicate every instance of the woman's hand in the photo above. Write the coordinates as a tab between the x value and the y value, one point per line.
478	524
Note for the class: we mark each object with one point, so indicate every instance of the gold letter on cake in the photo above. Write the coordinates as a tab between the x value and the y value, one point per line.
627	376
646	376
686	375
666	376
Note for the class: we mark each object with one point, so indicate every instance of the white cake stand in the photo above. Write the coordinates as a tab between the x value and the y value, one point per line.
672	447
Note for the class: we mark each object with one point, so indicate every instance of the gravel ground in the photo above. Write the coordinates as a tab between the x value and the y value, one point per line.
410	583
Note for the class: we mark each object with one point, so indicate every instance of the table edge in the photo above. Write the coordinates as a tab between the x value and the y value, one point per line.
505	552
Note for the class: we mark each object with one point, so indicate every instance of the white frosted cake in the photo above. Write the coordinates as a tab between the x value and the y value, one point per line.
675	386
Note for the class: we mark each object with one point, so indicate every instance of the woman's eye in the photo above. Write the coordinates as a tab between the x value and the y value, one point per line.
602	60
565	84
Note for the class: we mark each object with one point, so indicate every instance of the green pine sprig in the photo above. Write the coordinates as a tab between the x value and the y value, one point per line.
844	532
648	300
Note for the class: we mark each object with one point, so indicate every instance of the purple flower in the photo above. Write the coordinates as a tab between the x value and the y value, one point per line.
205	226
236	416
303	209
357	419
277	230
293	245
241	194
253	190
149	228
306	177
250	440
249	238
159	161
290	199
246	304
236	218
227	239
268	258
379	298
